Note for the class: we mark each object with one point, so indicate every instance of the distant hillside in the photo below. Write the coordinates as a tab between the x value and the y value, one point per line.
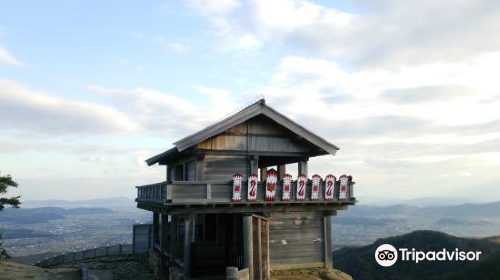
360	262
101	202
469	209
45	214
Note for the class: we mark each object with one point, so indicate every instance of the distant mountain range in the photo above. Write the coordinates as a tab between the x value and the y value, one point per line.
360	261
114	202
45	214
491	209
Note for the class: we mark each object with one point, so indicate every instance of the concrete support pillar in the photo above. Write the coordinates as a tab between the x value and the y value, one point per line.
302	167
188	236
248	244
281	171
164	269
327	238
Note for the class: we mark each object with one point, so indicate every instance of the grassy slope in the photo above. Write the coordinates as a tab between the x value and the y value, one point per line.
17	271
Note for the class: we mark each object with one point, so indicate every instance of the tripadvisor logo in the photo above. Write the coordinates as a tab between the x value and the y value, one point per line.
387	255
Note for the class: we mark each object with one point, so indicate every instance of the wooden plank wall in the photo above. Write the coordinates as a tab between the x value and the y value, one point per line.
222	168
142	238
264	135
296	239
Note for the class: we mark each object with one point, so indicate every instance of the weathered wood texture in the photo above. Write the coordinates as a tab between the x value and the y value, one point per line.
203	192
142	238
260	134
223	167
296	238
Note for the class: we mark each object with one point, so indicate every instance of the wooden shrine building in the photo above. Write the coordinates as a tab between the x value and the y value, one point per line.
228	200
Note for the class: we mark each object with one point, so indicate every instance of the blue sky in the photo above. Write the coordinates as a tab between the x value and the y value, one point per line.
407	89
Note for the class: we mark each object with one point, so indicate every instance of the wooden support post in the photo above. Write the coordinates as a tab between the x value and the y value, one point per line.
259	249
156	228
248	245
188	233
174	235
254	164
268	254
327	240
281	171
303	167
263	173
164	232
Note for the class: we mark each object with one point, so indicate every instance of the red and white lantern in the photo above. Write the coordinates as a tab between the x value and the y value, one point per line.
301	187
237	180
316	181
271	185
287	187
344	187
329	185
252	188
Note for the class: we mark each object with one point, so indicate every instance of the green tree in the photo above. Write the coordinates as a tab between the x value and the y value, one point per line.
6	182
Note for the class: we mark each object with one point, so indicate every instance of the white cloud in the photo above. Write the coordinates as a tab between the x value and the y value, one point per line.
30	111
7	58
163	114
213	7
389	33
177	47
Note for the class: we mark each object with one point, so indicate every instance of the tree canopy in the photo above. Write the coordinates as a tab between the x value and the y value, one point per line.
6	182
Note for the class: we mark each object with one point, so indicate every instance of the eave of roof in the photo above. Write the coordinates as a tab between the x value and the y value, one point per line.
249	112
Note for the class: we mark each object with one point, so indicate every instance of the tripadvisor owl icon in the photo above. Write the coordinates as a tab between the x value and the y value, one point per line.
386	255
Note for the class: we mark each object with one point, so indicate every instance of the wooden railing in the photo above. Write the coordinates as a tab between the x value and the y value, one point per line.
220	192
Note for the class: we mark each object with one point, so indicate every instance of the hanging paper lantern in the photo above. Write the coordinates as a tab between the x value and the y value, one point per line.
301	187
252	188
329	186
271	185
287	187
237	180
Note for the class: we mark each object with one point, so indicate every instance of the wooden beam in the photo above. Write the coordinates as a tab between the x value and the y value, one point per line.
248	244
327	240
188	230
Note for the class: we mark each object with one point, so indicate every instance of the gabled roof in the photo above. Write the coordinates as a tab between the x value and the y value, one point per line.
258	108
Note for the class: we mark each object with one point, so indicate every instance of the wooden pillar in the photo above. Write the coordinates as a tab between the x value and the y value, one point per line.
281	171
164	269
248	245
263	173
174	235
268	254
259	249
254	164
156	228
200	168
164	232
303	167
327	240
188	233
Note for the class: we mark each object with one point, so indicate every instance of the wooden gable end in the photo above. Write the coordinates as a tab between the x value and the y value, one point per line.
259	134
